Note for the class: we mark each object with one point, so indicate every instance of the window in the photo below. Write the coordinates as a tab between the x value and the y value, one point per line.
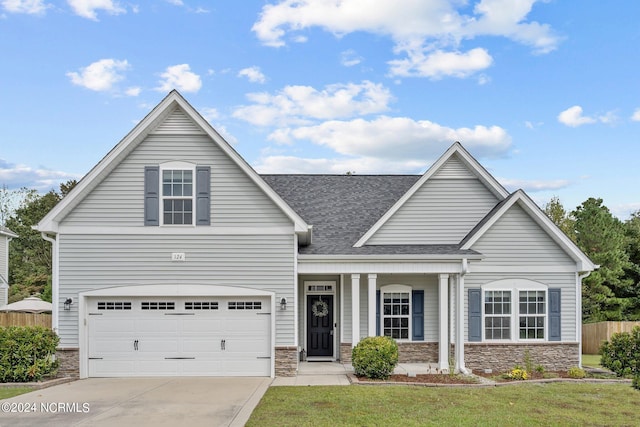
177	197
497	310
244	305
396	312
514	310
532	314
157	305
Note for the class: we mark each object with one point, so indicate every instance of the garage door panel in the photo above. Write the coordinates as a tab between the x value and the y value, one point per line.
191	339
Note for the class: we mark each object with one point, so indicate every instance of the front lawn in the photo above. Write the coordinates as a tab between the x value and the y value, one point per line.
567	404
591	360
7	392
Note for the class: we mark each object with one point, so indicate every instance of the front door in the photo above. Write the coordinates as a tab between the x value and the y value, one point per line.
319	325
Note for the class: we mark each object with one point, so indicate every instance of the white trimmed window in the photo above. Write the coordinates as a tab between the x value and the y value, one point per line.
395	301
177	198
505	320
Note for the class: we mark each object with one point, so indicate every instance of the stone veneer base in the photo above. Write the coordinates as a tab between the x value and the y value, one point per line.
69	359
287	361
408	352
501	357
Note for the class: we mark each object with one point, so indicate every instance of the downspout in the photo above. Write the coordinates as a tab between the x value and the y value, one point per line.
54	280
579	313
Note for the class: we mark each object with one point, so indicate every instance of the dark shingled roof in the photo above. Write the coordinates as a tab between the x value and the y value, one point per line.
342	208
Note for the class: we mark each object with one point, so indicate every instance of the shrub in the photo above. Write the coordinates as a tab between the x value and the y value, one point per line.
576	372
518	373
636	382
27	353
375	357
622	353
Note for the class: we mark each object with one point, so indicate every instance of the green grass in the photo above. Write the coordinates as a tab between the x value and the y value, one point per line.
566	404
591	360
7	392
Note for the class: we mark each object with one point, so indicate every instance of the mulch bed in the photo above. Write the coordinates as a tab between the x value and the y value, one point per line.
424	379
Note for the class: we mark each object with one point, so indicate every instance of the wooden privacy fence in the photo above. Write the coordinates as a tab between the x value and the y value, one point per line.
25	319
593	334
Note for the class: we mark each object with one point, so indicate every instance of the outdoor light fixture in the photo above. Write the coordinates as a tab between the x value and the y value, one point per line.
67	304
283	304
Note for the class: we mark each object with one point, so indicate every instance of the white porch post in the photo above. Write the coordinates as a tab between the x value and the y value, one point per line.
355	309
443	304
460	325
371	295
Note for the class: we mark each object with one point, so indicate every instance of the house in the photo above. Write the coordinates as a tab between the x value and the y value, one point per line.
5	237
172	256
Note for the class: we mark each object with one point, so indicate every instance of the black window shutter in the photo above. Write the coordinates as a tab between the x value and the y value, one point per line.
378	313
203	195
417	305
555	330
152	195
475	315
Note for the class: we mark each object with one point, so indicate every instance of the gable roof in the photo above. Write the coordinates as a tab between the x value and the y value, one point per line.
342	207
520	197
50	222
6	232
467	160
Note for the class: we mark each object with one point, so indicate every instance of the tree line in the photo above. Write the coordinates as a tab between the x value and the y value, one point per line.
612	292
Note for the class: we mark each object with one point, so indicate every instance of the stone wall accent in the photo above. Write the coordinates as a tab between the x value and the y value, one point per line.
501	357
69	359
345	352
408	352
417	352
287	361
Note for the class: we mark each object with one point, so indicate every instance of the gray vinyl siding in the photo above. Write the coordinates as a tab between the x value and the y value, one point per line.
4	254
90	262
565	281
442	211
119	199
516	239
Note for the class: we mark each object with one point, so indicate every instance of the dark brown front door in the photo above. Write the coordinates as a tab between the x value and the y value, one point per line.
320	325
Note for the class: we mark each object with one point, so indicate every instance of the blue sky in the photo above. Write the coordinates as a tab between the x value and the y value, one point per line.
545	94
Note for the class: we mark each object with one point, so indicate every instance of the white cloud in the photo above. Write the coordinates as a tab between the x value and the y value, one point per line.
636	115
573	116
397	138
30	7
16	176
176	2
298	104
209	114
100	75
87	8
429	32
179	77
253	74
360	165
133	91
532	186
349	58
440	64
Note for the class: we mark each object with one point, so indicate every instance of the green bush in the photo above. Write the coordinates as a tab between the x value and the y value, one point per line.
622	353
636	382
375	357
576	372
27	353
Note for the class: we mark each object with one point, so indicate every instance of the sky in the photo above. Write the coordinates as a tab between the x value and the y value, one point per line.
544	94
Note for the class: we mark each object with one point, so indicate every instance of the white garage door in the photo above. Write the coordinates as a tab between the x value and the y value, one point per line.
179	336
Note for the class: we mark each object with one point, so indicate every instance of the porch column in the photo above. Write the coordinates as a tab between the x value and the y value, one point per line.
355	309
460	325
443	305
371	296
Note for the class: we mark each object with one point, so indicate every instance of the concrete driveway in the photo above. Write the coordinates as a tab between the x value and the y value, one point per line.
138	402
